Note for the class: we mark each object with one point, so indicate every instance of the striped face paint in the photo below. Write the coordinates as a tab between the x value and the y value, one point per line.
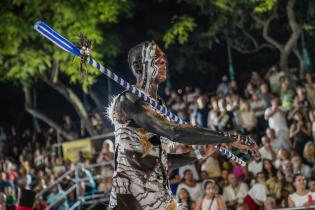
141	59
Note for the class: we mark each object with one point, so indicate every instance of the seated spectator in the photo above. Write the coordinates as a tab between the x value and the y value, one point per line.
300	132
211	165
282	156
268	169
265	95
255	166
302	197
3	199
179	107
40	204
202	111
299	167
257	195
266	150
235	192
242	207
277	142
311	185
223	87
190	185
258	106
286	95
107	152
58	196
310	89
185	200
89	183
223	180
11	199
4	182
247	117
224	119
210	200
269	203
213	115
311	116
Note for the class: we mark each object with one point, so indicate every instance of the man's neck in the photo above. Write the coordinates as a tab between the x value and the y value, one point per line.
151	91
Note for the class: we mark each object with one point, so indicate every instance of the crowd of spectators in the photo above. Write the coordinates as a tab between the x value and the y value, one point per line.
28	160
279	114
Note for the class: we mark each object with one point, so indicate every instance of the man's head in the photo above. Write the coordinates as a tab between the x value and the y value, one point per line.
148	64
296	161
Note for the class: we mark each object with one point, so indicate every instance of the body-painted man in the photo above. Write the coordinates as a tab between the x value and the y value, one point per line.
141	134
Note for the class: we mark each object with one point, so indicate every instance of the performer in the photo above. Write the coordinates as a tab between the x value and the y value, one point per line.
141	134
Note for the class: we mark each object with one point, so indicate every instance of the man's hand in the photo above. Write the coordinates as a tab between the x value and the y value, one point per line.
246	144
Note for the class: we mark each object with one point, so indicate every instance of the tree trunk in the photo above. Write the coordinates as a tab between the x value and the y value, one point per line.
44	117
75	102
301	63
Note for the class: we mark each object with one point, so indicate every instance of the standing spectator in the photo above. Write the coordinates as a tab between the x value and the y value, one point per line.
4	182
224	119
283	155
273	76
311	116
190	185
276	120
179	107
301	197
3	201
210	200
300	132
235	192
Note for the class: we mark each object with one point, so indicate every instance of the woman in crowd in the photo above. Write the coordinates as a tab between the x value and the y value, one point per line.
247	118
301	197
185	200
190	184
210	200
300	132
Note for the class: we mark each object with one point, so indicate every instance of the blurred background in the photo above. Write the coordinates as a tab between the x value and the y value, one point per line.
234	65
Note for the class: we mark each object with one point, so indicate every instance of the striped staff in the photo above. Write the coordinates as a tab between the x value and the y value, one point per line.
66	45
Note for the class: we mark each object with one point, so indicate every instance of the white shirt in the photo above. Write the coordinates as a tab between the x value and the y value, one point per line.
265	154
277	121
206	204
229	194
255	167
258	192
194	192
300	200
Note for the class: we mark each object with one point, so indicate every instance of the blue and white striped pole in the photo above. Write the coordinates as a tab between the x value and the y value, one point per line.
66	45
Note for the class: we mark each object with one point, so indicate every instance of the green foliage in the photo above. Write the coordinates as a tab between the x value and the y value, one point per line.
180	30
27	56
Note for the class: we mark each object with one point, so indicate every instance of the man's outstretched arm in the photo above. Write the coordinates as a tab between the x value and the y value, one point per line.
143	116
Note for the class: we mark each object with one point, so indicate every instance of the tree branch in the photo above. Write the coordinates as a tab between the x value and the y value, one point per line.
55	71
295	27
258	48
266	25
75	101
44	117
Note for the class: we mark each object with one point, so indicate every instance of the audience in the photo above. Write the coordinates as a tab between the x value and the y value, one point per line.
279	116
